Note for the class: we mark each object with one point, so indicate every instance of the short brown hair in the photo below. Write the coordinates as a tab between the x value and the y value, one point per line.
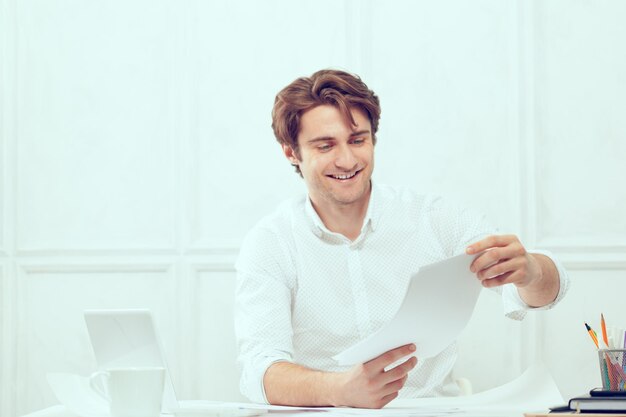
337	88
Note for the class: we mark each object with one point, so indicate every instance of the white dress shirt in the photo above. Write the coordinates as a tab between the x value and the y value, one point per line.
305	293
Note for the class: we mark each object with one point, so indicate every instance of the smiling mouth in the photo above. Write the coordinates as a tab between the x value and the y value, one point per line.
345	177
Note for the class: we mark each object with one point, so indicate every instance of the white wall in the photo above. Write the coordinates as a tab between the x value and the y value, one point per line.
136	151
580	150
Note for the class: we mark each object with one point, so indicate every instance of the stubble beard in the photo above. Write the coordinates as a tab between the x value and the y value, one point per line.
342	200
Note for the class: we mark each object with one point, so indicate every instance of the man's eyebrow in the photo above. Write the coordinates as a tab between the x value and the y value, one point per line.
327	138
360	132
320	139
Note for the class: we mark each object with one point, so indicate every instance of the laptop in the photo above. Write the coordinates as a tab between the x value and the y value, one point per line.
129	338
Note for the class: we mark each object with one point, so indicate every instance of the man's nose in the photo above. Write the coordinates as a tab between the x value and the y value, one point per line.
346	158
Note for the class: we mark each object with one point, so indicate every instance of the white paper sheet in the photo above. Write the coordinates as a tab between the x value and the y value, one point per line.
285	411
74	392
438	304
534	390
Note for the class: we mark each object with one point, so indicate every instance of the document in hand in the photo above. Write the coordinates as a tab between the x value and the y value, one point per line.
438	304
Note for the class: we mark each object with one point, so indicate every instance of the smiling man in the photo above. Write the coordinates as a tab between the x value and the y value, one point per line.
339	154
326	270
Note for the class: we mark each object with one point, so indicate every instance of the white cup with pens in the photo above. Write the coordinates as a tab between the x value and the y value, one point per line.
613	369
611	355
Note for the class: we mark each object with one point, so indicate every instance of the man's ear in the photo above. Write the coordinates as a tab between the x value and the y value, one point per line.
290	154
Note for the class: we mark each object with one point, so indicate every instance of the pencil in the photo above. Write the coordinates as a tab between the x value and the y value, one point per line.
593	335
605	337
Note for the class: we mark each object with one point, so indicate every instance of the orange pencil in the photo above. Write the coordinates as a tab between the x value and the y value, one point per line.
593	335
605	337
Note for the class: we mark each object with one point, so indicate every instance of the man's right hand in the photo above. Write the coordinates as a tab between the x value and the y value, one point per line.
369	386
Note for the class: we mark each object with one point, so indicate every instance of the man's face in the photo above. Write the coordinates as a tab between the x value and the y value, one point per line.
336	159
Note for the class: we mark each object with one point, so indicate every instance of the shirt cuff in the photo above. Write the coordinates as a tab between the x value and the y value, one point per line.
266	367
252	383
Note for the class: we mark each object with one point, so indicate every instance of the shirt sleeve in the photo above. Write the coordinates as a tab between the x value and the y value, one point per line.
465	227
262	311
516	308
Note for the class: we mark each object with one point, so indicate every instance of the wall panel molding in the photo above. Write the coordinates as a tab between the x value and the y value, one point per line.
213	280
101	251
182	109
81	285
587	257
8	100
207	246
526	120
148	183
95	267
358	16
217	251
218	266
597	251
530	333
187	271
199	248
104	252
579	211
8	348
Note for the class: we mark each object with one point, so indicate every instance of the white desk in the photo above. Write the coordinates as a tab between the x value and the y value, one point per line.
61	411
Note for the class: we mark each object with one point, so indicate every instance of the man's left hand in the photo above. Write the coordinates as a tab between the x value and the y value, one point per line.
504	261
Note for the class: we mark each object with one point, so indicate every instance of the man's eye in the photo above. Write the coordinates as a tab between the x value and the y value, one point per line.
324	147
358	141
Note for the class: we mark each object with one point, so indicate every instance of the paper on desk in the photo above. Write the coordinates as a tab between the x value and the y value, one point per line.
437	306
74	392
535	389
285	411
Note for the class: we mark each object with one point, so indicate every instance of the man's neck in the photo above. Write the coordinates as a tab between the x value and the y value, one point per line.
344	219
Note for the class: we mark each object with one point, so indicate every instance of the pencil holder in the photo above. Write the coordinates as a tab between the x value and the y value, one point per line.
613	369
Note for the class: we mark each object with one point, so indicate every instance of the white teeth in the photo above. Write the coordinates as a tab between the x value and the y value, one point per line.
344	177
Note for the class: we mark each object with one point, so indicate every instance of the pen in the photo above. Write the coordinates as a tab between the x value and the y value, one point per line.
605	337
593	335
624	353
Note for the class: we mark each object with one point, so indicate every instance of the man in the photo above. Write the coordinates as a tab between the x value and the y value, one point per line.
327	270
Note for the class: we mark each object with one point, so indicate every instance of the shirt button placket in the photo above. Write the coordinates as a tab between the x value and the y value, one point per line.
358	290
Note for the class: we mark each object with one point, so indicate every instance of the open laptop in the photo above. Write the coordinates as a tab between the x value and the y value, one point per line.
129	338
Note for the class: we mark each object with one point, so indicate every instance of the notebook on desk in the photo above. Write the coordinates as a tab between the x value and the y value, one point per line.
129	338
600	401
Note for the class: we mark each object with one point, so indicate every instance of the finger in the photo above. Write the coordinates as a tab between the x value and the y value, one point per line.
492	256
508	278
509	265
492	241
387	399
394	386
399	371
381	362
485	259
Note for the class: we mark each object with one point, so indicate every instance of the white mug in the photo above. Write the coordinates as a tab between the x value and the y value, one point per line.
131	392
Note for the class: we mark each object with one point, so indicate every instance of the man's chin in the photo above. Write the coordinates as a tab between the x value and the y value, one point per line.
348	199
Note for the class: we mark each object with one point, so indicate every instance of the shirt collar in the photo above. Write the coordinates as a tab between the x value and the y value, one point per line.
371	216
